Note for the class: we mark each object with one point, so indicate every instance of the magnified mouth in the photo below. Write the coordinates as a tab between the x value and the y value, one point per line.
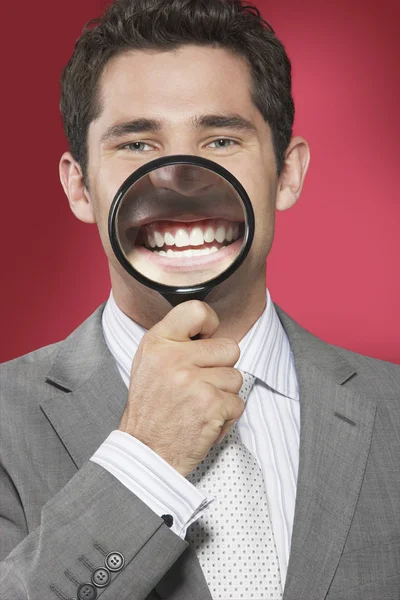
175	239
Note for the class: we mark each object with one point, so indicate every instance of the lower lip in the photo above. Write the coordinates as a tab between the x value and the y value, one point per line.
191	263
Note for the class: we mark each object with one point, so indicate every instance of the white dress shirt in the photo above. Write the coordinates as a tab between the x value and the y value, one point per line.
269	428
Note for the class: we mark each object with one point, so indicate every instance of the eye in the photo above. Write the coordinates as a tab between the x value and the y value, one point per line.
134	146
222	142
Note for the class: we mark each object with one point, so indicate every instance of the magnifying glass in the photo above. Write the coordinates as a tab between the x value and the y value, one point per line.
181	225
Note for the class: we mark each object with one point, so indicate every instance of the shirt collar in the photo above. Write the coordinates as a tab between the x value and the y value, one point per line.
264	351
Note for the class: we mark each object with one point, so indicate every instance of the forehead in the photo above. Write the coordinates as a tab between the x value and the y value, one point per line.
175	84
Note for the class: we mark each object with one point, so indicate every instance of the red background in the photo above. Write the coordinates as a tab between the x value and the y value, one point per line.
334	265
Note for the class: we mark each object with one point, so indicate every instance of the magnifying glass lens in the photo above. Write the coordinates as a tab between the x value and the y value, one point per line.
181	225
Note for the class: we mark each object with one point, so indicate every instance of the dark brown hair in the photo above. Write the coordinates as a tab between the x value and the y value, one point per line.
166	25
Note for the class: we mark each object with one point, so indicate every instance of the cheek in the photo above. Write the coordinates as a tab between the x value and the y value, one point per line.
261	193
104	185
262	197
114	170
101	199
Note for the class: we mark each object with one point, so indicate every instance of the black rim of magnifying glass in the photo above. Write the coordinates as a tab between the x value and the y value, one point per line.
163	162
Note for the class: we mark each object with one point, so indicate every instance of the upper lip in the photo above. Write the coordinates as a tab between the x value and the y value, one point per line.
188	218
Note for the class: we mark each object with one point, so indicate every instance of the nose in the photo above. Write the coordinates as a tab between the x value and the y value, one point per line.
187	180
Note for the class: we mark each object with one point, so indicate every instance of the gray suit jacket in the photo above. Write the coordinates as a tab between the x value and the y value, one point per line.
61	514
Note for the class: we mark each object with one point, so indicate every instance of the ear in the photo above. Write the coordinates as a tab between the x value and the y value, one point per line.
74	187
290	183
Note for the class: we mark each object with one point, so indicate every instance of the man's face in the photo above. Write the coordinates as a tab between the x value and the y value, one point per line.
177	87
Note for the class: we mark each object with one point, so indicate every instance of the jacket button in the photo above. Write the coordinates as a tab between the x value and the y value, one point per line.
114	561
86	591
101	577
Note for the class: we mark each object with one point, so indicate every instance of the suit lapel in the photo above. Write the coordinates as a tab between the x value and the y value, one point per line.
335	437
90	395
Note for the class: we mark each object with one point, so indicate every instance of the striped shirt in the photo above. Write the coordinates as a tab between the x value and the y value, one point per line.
269	427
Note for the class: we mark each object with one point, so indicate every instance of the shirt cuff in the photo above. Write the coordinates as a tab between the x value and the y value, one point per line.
152	479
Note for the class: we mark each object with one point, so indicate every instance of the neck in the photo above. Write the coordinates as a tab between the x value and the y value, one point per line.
237	303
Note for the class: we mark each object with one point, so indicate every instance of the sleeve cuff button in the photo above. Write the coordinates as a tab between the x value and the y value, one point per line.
115	561
101	577
168	520
86	591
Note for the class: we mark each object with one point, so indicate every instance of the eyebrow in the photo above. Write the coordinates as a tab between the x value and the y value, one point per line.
143	125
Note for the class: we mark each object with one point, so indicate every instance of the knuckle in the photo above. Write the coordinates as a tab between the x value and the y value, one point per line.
183	377
232	348
198	307
217	348
209	397
234	376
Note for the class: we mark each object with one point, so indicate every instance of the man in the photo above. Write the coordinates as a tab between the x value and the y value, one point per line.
106	435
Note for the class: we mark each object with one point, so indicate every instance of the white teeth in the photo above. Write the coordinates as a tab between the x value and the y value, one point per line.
151	240
209	235
181	238
196	237
159	239
220	234
169	239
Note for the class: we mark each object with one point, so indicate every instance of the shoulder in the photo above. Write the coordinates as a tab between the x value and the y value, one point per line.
22	389
373	369
31	367
36	357
23	380
367	375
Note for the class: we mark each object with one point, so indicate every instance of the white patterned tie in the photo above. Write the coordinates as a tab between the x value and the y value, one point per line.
233	538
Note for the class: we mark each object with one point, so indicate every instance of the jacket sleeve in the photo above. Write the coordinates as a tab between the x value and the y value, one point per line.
152	479
96	539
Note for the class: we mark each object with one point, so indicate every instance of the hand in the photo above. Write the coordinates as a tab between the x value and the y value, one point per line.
183	393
